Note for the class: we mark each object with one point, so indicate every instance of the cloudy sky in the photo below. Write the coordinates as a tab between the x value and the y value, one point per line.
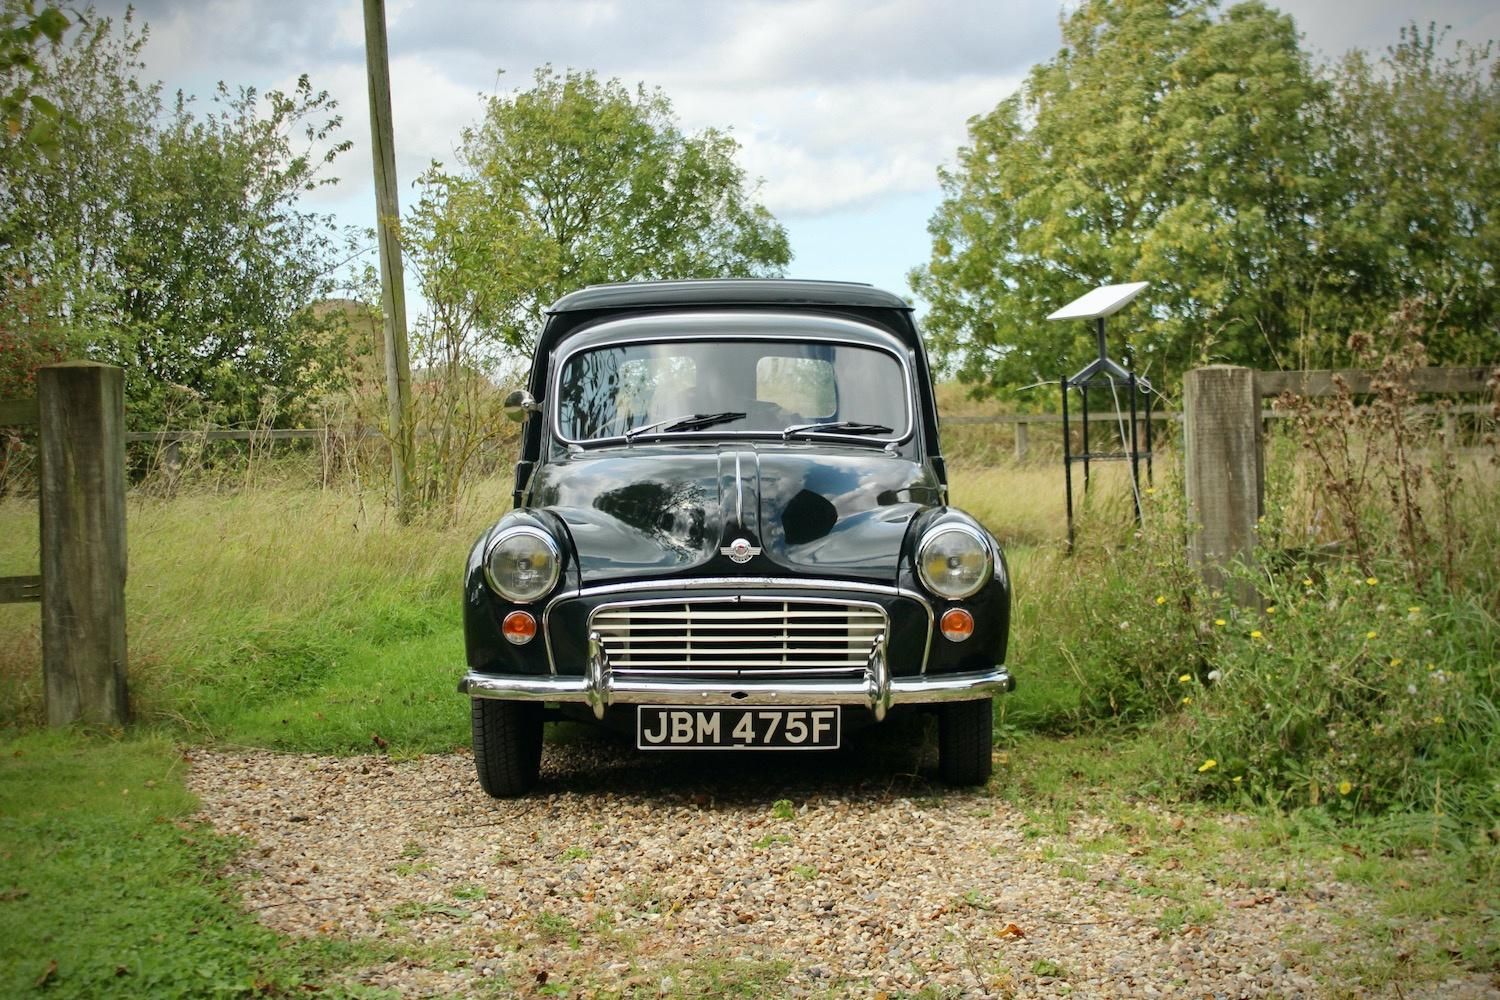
844	108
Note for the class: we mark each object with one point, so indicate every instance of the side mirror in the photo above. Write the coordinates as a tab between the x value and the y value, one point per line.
518	403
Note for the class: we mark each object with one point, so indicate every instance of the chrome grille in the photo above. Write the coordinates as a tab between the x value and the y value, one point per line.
739	637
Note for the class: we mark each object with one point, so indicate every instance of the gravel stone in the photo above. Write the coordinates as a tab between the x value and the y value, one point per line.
627	872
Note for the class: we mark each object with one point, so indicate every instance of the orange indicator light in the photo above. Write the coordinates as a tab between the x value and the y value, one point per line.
957	624
520	627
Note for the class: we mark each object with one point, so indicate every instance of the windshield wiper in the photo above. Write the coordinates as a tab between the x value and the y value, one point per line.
689	422
851	427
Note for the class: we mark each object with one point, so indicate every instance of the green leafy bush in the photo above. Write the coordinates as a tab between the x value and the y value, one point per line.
1351	690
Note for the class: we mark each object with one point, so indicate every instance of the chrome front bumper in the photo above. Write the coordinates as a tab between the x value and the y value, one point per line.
600	688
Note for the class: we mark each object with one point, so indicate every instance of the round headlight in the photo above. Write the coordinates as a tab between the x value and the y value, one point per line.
523	564
953	561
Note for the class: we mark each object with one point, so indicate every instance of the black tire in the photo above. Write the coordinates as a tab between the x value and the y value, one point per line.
966	739
507	745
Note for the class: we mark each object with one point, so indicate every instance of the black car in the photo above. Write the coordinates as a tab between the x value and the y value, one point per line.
731	530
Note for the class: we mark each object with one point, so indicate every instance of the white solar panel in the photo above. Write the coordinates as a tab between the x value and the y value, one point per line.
1102	301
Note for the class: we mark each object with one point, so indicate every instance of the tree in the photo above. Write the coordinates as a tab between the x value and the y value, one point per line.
1417	139
215	265
23	29
572	182
1264	198
169	240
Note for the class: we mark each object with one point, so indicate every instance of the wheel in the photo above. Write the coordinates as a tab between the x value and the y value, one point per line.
966	736
507	745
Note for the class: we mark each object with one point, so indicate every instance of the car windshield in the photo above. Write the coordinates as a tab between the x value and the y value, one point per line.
732	387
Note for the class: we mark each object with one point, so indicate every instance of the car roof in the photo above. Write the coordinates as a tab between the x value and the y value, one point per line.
728	291
711	323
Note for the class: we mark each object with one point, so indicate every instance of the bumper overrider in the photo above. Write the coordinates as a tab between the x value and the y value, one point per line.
600	687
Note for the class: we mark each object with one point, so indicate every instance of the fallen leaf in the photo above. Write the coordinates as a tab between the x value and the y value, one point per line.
1011	931
1245	904
379	740
48	974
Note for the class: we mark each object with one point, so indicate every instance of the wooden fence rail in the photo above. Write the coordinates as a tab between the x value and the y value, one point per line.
1022	422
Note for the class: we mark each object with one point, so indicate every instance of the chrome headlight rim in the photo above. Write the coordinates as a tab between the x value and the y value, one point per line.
554	553
935	532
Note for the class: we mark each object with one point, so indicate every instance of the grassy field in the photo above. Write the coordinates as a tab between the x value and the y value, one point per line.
304	619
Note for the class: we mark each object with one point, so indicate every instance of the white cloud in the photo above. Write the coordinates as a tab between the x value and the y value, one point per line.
840	105
833	146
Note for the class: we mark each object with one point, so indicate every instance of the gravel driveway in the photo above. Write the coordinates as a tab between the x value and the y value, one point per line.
830	874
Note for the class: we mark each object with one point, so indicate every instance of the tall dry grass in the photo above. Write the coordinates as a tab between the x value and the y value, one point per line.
212	573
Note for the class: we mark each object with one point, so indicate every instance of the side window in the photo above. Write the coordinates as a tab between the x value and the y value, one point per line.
804	386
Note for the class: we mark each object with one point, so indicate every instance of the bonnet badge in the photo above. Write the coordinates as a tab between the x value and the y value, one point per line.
740	550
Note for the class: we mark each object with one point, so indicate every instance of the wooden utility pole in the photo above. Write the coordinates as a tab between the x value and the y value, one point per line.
392	287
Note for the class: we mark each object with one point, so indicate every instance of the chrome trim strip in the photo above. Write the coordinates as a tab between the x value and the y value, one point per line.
739	583
616	690
739	494
878	680
597	678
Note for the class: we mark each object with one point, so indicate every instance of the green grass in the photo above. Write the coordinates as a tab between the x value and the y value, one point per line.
108	890
294	619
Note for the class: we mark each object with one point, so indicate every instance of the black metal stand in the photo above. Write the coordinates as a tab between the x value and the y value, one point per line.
1102	373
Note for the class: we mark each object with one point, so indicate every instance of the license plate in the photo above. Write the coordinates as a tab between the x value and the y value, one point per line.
672	727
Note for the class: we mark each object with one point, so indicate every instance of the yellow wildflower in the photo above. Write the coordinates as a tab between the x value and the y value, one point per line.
1160	599
1437	720
1238	778
1207	765
1187	701
1345	788
1307	581
1414	610
1184	678
1370	634
1372	581
1395	661
1256	634
1271	610
1220	622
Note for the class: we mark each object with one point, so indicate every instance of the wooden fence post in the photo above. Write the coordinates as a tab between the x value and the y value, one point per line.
1225	476
82	415
1021	442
